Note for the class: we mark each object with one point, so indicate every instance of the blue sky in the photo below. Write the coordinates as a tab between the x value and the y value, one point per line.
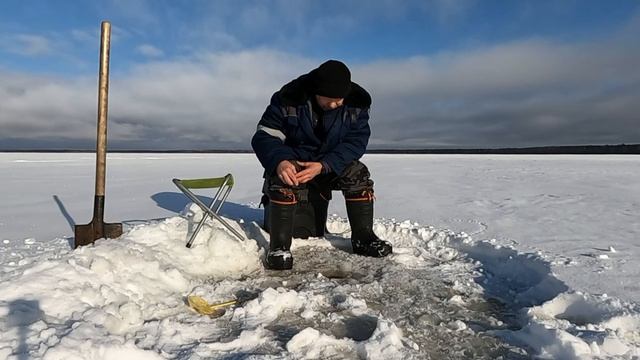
465	73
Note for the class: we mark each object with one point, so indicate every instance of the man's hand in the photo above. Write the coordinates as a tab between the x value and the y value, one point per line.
287	173
312	169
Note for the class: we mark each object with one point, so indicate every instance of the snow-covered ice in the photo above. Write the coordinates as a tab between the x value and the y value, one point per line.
494	256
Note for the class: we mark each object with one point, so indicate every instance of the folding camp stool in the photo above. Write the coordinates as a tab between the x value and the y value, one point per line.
224	185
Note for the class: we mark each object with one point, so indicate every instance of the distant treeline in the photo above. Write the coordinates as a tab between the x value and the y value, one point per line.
580	149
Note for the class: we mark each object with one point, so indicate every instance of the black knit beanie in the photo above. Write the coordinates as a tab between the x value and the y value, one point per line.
332	79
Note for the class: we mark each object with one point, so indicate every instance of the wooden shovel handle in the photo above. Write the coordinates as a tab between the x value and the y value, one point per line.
103	95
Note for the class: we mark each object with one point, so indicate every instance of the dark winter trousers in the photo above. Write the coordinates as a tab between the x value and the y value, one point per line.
355	183
356	186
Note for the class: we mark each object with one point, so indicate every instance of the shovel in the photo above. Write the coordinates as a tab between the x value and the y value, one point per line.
97	228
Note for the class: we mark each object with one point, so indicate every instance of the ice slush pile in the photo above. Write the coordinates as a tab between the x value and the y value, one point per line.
125	298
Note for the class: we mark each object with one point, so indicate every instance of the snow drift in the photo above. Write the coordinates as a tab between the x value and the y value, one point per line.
441	294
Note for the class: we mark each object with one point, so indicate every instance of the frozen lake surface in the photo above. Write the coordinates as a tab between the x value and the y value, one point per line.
495	255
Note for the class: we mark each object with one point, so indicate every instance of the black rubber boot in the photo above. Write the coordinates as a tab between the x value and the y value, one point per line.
363	239
280	230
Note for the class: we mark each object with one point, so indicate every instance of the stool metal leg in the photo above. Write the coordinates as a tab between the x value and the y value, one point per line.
207	211
216	203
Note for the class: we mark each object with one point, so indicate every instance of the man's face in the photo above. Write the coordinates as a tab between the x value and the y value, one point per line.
327	103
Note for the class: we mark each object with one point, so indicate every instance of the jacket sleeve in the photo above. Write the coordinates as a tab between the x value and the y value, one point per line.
268	141
352	146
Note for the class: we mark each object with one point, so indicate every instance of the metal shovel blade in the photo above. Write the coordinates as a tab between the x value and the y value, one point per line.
87	234
97	228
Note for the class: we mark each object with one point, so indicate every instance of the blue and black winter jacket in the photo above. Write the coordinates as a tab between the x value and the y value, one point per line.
286	129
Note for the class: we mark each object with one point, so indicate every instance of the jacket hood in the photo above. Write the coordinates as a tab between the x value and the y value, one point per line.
298	91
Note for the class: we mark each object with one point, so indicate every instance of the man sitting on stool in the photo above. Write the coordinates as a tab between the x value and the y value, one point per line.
312	135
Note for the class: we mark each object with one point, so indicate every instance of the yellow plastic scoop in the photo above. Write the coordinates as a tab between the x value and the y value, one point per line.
202	307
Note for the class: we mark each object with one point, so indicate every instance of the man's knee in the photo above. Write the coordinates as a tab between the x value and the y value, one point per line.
356	179
280	193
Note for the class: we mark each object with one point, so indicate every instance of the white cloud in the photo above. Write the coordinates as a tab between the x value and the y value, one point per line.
142	12
521	93
59	47
291	25
447	10
85	36
26	44
149	50
213	100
